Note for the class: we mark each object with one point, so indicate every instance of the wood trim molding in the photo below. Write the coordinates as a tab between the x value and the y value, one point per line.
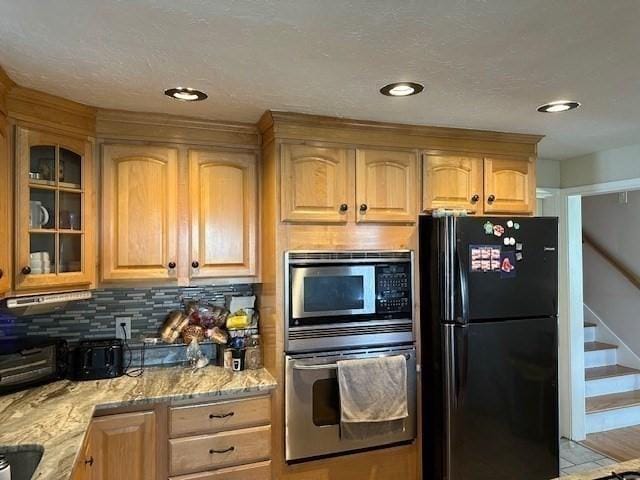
119	125
6	84
55	113
613	261
297	126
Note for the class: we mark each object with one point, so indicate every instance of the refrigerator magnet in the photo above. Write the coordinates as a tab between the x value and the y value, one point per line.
512	241
518	256
498	230
516	226
518	247
488	228
508	265
510	223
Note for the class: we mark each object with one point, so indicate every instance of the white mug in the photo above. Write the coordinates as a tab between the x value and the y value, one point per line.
38	215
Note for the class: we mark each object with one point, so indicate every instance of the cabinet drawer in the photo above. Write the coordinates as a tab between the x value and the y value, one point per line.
225	449
218	417
255	471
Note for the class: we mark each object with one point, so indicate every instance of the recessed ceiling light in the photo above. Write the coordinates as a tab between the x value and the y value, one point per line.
185	94
401	89
559	106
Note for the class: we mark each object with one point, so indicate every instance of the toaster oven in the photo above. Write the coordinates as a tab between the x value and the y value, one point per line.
27	362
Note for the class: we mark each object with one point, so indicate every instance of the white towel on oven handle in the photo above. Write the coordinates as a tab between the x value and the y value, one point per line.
373	389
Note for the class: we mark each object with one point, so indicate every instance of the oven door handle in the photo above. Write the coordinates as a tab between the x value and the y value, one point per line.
327	366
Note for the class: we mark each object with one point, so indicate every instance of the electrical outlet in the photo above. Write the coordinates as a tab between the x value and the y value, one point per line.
126	321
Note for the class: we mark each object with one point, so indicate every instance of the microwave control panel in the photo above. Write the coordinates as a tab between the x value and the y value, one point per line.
393	288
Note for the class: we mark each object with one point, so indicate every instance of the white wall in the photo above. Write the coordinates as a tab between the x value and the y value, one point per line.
612	298
548	173
615	227
609	165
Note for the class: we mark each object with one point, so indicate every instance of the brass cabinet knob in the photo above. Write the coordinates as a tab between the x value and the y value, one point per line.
172	265
344	207
26	270
195	264
475	198
491	198
363	207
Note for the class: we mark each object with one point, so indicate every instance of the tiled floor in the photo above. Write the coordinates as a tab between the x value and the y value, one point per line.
575	458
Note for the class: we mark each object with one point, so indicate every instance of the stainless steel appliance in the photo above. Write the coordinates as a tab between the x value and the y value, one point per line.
312	405
348	299
342	305
489	348
26	362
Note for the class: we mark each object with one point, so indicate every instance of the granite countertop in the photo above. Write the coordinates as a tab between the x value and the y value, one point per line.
631	465
56	416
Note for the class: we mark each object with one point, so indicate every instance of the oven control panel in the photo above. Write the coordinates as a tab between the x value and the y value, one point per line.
393	288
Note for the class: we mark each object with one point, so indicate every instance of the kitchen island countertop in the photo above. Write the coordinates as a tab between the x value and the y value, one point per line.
631	465
56	416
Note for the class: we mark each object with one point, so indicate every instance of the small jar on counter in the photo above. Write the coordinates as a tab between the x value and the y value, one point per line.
253	354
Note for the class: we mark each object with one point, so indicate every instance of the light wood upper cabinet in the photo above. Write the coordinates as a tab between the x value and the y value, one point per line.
452	181
223	190
386	184
316	184
139	212
55	222
509	185
5	212
121	446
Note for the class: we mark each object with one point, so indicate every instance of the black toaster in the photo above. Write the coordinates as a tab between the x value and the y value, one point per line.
97	359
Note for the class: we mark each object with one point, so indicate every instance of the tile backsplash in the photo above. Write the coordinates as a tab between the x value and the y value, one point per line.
96	317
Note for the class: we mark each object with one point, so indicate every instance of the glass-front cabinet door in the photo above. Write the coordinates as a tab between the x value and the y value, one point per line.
54	223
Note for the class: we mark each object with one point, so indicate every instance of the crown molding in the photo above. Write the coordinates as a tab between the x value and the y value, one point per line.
34	107
159	127
298	126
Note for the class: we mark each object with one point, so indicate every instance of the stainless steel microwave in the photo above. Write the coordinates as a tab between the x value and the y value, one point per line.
346	299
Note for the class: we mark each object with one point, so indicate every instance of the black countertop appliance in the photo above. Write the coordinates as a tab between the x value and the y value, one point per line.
27	362
97	359
488	289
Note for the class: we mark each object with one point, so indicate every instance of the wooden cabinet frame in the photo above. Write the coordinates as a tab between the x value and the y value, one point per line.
5	207
232	202
503	184
25	138
336	183
164	162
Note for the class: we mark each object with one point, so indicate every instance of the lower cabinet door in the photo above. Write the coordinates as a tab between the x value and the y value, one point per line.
220	450
123	446
254	471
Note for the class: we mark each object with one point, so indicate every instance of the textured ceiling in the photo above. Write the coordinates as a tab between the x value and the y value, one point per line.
486	64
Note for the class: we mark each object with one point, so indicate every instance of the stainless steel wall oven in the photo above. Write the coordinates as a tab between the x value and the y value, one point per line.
340	306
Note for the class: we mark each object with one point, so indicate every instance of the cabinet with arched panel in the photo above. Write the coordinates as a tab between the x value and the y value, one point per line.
478	184
55	222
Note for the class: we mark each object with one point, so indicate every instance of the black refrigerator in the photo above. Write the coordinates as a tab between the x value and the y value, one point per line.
488	289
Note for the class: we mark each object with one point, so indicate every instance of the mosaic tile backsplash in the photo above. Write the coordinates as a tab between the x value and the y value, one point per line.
96	317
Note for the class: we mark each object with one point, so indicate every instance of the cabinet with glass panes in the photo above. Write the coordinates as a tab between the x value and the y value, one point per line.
54	223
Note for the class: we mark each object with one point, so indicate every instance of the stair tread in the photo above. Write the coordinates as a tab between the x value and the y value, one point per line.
589	324
612	401
593	346
609	371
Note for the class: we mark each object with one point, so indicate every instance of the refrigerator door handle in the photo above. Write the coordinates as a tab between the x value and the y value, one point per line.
449	395
463	289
